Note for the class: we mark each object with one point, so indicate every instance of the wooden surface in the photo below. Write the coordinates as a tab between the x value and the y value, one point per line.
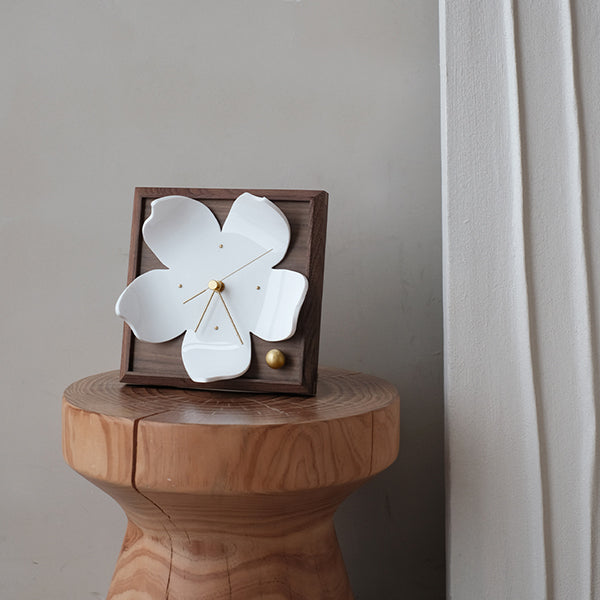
230	496
160	364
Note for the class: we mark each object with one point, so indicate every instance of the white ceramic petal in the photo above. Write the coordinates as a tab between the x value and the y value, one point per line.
179	230
261	221
152	305
284	296
205	361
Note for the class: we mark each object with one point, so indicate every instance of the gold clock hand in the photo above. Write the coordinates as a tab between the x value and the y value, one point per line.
205	309
230	274
195	296
229	315
248	263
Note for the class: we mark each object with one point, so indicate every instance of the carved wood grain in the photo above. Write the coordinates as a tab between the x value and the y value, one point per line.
230	496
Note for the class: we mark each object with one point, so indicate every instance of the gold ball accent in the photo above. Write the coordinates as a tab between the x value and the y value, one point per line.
258	287
179	285
275	358
217	286
220	245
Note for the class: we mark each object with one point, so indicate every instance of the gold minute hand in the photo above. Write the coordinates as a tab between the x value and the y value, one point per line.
230	317
247	264
230	274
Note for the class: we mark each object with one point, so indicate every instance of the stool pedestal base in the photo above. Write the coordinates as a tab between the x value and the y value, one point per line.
267	547
230	496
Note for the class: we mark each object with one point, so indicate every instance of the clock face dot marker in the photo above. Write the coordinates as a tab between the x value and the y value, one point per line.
215	285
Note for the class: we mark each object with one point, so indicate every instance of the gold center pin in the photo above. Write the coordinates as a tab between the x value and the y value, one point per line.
217	286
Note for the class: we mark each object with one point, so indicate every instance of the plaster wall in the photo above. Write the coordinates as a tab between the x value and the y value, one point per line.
520	155
101	96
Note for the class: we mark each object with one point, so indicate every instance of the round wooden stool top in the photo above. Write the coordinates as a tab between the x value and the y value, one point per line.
197	441
230	495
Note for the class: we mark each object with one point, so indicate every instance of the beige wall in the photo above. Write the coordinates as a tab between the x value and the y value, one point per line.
101	96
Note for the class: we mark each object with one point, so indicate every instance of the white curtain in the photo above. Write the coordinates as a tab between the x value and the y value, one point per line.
521	179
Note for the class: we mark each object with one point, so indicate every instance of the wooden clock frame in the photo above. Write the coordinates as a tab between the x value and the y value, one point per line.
145	363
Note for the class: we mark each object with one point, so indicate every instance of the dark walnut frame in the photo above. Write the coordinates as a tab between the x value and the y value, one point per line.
145	363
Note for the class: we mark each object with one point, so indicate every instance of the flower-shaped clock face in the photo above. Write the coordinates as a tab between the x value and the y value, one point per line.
219	285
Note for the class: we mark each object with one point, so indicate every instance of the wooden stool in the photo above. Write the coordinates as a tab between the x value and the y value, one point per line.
230	496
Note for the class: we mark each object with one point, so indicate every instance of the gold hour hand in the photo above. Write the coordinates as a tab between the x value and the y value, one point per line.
204	312
230	317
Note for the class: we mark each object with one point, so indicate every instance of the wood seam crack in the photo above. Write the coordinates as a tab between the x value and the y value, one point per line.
136	423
